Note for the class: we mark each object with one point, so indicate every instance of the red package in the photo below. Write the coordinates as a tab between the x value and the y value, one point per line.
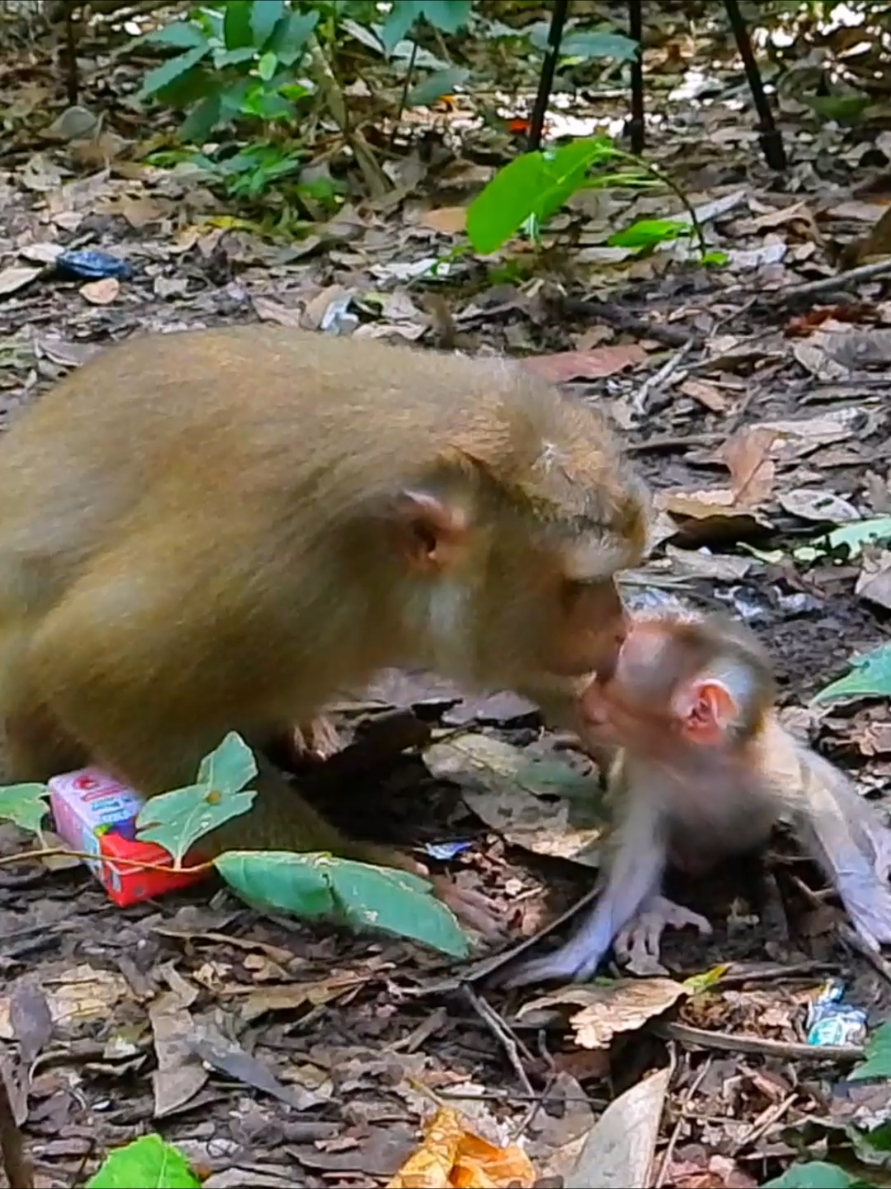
96	814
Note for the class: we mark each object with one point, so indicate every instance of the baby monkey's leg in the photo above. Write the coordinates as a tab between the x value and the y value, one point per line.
638	944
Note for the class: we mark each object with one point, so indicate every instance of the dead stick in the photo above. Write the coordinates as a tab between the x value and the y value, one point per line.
866	272
12	1144
733	1042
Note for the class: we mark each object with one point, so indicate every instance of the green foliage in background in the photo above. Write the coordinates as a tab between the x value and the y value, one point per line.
147	1163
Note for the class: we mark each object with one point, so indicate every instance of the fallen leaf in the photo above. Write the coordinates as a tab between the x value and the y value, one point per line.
451	1156
273	311
540	804
101	293
13	279
874	581
78	994
707	394
752	471
813	504
620	1147
700	563
625	1005
451	220
585	365
180	1074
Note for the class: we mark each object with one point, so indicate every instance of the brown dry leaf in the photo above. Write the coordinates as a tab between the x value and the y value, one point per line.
619	1149
874	581
713	513
799	212
290	997
451	220
80	993
623	1006
101	293
752	471
585	365
707	394
180	1074
874	738
701	563
452	1156
13	279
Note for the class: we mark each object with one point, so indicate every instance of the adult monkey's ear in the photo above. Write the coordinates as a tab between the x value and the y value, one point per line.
432	529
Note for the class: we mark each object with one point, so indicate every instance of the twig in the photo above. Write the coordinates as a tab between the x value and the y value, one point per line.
856	942
733	1042
18	1169
767	1119
487	966
621	319
866	272
639	403
681	1120
502	1034
409	73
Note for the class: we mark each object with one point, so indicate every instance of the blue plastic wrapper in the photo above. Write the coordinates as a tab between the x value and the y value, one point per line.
445	850
832	1022
91	265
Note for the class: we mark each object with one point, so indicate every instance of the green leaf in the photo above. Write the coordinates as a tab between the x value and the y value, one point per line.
24	804
447	15
201	120
183	35
591	44
171	71
245	53
264	17
816	1174
147	1163
267	66
878	1056
533	185
176	820
850	537
715	259
229	767
646	233
870	677
443	82
399	20
237	31
358	894
292	34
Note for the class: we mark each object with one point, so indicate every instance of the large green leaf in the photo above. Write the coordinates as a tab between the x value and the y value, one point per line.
171	71
646	233
535	184
147	1163
229	767
434	86
878	1057
264	17
237	29
399	20
291	35
362	896
870	677
182	35
178	819
816	1174
24	804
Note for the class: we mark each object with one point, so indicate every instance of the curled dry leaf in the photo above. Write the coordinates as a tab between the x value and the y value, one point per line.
874	582
623	1006
452	1156
450	220
13	279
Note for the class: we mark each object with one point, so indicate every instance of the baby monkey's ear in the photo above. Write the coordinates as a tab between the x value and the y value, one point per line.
433	530
706	709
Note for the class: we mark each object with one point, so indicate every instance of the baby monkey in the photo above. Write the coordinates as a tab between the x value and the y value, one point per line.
703	770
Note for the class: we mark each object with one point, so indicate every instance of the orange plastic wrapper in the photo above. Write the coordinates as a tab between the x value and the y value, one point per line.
452	1158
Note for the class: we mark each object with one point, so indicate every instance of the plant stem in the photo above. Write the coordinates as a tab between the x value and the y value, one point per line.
676	190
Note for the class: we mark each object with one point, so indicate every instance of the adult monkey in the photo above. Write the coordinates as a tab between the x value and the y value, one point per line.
219	529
